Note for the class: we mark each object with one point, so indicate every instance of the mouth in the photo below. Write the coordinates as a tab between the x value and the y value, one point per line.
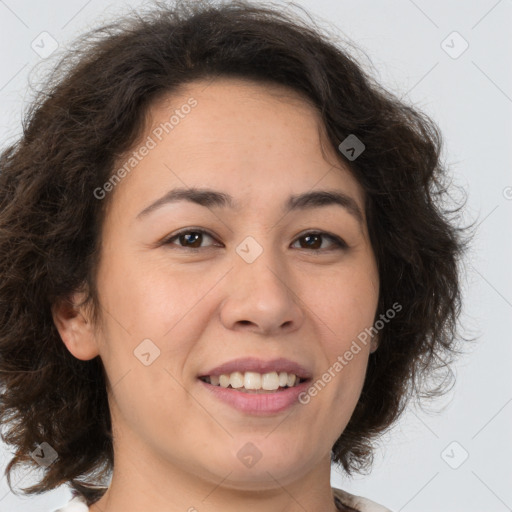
259	401
254	382
255	386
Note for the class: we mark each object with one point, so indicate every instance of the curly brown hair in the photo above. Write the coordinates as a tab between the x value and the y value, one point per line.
93	109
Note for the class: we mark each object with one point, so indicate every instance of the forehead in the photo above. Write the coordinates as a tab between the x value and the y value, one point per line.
228	91
248	116
238	135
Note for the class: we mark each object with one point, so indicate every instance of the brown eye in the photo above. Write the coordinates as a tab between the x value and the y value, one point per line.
312	241
315	240
190	239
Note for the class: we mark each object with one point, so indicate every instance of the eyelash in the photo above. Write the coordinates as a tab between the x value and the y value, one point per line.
338	242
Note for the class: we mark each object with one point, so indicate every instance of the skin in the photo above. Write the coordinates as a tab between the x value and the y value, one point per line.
175	445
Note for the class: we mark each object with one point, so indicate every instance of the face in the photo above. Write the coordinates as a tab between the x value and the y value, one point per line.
249	266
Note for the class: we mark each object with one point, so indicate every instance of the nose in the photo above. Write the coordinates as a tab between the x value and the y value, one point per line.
260	298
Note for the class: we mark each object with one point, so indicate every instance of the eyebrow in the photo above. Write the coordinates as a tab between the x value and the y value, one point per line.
210	198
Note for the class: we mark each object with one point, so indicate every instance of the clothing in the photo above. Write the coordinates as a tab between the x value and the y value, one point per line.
357	503
353	503
77	504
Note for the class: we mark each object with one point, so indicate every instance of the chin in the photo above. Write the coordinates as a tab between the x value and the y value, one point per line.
249	468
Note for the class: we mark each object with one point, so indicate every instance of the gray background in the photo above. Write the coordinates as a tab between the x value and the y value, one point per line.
470	97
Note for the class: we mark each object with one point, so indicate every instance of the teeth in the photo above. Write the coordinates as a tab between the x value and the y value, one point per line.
291	379
236	379
254	381
270	381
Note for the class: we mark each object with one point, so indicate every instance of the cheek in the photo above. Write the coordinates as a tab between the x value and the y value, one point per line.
346	305
345	301
149	299
167	306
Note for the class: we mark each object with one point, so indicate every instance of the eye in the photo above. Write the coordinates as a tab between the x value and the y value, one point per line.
189	238
314	241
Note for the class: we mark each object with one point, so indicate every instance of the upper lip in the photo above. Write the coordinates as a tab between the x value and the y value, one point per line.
253	364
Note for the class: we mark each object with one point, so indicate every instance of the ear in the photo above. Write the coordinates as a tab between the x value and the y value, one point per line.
75	326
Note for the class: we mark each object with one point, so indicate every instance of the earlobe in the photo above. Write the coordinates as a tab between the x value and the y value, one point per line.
374	345
75	327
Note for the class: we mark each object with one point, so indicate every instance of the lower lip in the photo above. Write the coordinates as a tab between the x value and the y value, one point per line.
258	403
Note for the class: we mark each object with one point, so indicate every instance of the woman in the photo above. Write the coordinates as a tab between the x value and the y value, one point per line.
224	267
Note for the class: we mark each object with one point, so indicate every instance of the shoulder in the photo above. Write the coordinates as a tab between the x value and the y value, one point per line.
357	503
77	504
